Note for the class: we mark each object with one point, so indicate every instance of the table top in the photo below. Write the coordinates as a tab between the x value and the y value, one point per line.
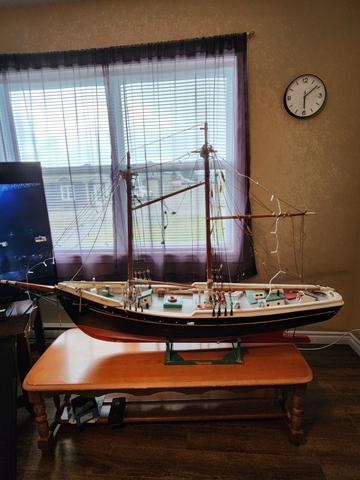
18	318
77	362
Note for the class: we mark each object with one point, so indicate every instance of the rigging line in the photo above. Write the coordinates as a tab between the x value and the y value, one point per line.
302	241
74	89
259	202
126	111
68	160
234	185
192	234
47	121
219	209
80	221
294	247
275	232
250	235
217	227
214	97
196	166
30	117
145	149
215	230
257	183
46	109
197	131
199	215
137	242
98	132
157	215
222	227
87	209
205	85
80	215
95	240
225	192
301	246
224	82
112	187
3	144
43	262
42	297
135	231
140	229
82	212
145	255
271	280
157	97
169	162
247	231
91	219
166	137
217	261
176	210
25	96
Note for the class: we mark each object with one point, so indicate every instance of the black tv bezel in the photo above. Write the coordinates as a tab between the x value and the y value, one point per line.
24	172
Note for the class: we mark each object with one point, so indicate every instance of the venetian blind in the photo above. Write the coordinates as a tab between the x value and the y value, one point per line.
80	122
60	119
161	108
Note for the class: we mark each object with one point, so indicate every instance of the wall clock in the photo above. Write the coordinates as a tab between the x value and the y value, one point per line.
305	96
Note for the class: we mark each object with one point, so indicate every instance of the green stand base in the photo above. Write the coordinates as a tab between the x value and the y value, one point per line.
172	357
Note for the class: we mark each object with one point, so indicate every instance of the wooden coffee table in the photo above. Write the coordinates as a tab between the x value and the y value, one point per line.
78	364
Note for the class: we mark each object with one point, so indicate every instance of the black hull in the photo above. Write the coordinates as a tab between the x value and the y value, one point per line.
119	325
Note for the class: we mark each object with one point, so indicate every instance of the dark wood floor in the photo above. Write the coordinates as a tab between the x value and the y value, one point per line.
216	450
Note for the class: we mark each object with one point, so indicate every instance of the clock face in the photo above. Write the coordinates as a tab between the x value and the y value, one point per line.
305	96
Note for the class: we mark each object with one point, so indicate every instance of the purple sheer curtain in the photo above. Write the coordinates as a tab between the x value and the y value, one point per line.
151	100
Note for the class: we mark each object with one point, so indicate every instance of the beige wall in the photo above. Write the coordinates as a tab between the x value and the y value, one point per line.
313	164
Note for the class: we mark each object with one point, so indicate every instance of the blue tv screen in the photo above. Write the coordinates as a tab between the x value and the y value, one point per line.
26	249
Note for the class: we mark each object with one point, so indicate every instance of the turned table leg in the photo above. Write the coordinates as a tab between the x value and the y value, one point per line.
296	415
44	433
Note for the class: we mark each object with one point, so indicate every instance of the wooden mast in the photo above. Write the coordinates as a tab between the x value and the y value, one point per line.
128	177
263	215
205	155
168	195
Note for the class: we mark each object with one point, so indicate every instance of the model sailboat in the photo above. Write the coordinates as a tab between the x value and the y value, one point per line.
144	310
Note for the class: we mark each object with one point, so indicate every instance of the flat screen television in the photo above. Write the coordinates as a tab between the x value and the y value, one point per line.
26	249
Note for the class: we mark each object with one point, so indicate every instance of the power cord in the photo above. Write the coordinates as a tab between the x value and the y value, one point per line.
331	344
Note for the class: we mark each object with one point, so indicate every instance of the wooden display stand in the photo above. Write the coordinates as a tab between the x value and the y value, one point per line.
76	363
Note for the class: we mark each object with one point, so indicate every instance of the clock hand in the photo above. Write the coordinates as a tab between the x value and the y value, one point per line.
306	94
304	99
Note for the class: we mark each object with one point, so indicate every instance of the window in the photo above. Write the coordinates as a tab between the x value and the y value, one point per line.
66	193
159	114
156	110
94	193
63	123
